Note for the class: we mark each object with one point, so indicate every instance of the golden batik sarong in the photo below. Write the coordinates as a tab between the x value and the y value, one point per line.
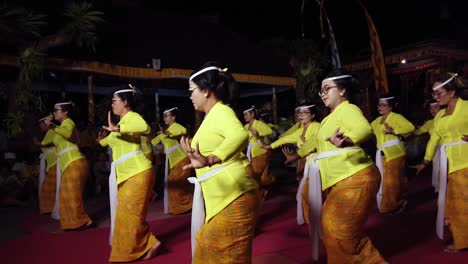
344	214
180	190
228	236
47	194
260	165
132	236
394	175
305	201
300	166
456	207
72	211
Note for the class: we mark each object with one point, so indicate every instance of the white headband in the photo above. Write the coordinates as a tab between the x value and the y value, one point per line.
250	109
66	103
211	68
337	77
387	98
434	103
444	83
305	106
127	90
169	110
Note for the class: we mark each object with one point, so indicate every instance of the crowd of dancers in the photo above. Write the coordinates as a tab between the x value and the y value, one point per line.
339	183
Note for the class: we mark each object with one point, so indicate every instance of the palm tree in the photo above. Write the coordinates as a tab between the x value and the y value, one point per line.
24	27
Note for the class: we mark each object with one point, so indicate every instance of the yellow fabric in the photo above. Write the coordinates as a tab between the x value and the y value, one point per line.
47	192
66	136
180	190
272	126
132	236
425	128
394	171
344	215
227	238
72	184
295	137
456	207
132	126
221	134
350	120
51	158
175	130
263	132
448	129
400	127
145	145
291	129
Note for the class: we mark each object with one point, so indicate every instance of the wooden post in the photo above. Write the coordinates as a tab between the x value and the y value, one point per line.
156	108
90	101
274	106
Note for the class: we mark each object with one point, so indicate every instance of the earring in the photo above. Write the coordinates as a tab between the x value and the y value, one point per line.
206	96
341	93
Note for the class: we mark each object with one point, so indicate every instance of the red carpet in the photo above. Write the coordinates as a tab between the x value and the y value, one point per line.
407	238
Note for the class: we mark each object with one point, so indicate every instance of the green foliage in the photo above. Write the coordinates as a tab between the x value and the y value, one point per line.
14	123
82	24
20	25
309	62
22	28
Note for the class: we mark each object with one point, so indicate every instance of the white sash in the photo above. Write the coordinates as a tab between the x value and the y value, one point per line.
443	187
249	149
166	174
43	168
436	169
198	205
312	172
113	202
378	163
56	210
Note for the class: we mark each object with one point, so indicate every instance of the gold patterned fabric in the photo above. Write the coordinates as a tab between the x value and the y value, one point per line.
180	190
394	177
228	236
132	236
456	207
73	181
260	165
47	192
344	214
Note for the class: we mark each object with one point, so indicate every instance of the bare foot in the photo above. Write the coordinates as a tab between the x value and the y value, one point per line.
451	249
153	251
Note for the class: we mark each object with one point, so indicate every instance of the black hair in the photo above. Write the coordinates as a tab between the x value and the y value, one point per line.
220	83
457	84
128	97
311	107
253	110
173	112
393	102
350	84
66	107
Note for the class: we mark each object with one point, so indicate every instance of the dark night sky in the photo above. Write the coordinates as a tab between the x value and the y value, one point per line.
399	22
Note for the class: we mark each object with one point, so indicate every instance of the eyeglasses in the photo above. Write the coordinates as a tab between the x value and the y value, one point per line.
114	100
437	95
57	109
303	112
325	90
382	105
167	115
